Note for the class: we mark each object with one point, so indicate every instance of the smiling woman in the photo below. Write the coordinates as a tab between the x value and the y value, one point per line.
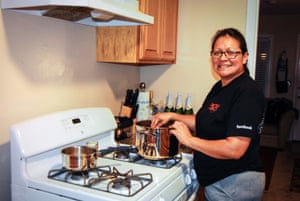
227	130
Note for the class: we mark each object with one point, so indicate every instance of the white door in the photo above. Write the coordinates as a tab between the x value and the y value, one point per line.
295	135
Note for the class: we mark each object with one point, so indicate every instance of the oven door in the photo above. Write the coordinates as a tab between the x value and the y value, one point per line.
191	192
30	194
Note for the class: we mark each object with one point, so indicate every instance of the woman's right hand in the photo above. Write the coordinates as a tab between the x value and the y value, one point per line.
160	119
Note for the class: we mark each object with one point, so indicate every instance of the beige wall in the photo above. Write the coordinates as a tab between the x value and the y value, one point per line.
198	21
49	65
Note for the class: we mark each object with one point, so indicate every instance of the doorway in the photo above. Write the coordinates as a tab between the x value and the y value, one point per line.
273	19
263	62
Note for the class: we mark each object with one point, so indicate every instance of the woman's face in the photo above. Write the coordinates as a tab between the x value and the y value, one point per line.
228	59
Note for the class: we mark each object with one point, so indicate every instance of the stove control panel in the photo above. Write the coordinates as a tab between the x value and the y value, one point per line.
74	123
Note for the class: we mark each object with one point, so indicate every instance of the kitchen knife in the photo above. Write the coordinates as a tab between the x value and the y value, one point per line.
128	97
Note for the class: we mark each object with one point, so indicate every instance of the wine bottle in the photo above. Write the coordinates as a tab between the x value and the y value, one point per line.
188	105
169	105
179	106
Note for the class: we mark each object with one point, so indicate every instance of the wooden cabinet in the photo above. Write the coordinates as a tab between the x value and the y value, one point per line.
145	44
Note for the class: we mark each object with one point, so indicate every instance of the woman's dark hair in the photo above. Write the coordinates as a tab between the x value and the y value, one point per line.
236	34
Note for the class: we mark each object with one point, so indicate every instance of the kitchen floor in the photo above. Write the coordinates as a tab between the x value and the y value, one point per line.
281	178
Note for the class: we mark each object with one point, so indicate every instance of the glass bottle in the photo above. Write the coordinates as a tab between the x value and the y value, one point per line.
169	105
179	106
188	105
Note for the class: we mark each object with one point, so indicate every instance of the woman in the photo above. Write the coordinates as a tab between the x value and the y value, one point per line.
227	126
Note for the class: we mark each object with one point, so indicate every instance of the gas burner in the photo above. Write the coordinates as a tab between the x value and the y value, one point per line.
102	178
127	184
122	155
163	163
77	177
133	156
129	155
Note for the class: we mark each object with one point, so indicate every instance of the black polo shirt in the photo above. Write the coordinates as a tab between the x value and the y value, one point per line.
234	110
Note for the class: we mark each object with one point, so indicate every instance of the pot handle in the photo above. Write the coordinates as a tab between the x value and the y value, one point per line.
103	152
92	160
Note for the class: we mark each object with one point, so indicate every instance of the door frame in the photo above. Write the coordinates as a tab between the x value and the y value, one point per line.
295	136
252	21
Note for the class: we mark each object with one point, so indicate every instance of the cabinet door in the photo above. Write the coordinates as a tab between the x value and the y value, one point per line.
145	44
150	34
169	20
158	41
117	44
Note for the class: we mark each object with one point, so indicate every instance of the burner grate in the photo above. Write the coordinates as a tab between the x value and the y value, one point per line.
77	177
134	157
163	163
104	179
122	183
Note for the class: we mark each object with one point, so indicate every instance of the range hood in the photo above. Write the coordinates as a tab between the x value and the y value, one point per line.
88	12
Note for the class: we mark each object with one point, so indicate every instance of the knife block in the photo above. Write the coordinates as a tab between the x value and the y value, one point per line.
125	111
124	129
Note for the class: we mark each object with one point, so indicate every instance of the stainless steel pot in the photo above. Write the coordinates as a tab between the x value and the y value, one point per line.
155	144
79	158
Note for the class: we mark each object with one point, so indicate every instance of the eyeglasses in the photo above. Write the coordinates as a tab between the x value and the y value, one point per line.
228	53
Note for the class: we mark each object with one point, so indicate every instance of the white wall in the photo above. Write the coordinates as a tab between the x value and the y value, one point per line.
198	21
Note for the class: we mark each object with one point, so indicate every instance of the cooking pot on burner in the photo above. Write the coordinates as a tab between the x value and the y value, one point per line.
155	144
79	158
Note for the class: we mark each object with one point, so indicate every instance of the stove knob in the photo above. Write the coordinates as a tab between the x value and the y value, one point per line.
193	174
188	179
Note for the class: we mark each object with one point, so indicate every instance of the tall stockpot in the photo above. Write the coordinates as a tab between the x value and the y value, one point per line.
155	144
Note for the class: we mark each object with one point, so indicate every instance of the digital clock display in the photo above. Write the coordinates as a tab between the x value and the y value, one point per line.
76	121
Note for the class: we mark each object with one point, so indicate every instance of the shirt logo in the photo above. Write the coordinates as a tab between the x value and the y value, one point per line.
244	127
213	107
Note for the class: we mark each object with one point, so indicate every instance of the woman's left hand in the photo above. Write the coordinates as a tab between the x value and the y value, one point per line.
181	131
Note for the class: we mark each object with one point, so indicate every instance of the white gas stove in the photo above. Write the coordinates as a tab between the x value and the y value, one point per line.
38	173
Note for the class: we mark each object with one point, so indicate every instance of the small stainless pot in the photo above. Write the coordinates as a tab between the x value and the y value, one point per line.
79	158
155	144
